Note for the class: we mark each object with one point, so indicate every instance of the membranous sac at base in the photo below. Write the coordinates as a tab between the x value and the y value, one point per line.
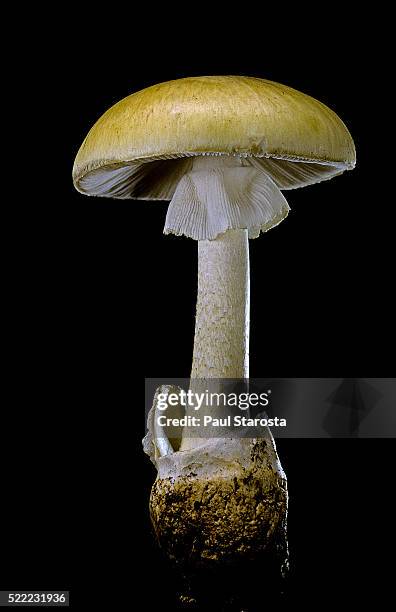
224	500
231	509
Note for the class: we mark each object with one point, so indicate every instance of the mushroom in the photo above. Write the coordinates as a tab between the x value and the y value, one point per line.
221	149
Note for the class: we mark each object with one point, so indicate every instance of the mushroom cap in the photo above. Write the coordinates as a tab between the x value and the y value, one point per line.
142	145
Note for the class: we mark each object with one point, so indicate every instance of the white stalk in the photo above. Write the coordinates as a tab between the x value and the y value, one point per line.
221	342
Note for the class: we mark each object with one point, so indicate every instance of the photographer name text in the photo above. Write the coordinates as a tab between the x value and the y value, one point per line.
228	421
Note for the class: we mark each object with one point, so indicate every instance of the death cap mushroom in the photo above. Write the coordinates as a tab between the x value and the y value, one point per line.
220	148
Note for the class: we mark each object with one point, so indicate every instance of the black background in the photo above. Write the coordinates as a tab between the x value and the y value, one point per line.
98	298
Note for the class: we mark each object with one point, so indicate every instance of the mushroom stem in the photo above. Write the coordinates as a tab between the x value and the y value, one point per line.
221	342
